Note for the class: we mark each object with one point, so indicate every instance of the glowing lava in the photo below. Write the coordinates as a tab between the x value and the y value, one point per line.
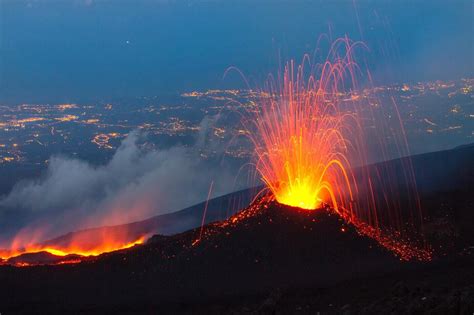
310	130
301	136
77	246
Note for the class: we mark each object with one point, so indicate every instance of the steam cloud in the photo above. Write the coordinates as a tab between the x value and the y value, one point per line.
135	184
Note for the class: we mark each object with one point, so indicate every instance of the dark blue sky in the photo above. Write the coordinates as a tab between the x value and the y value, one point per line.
73	50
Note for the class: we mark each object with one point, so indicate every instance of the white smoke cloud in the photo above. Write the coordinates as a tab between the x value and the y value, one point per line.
135	184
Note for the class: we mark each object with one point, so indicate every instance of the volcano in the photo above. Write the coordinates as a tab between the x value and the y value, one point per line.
269	257
252	258
444	180
264	246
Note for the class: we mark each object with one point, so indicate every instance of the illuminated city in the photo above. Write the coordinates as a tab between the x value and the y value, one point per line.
436	114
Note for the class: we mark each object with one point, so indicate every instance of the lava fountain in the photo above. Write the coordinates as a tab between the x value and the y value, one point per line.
309	131
302	138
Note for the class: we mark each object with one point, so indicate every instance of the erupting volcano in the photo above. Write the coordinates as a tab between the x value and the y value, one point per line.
310	137
236	157
309	131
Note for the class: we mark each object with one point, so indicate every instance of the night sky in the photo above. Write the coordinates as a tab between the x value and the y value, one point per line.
72	50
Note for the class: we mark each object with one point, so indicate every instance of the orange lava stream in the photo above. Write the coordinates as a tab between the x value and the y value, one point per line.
72	249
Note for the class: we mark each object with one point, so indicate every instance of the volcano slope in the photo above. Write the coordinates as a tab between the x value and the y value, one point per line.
262	247
217	209
445	181
266	257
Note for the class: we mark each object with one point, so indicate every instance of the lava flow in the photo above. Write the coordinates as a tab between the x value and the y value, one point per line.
72	248
309	134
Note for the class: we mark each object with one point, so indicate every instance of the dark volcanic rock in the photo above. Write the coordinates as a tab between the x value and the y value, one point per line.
255	262
264	247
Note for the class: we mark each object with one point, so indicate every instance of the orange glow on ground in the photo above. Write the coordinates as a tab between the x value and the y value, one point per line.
73	249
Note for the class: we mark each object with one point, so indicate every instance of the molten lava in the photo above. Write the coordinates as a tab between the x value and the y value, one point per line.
310	132
78	246
96	250
301	156
302	137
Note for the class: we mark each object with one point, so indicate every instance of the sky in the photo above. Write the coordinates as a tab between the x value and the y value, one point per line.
76	50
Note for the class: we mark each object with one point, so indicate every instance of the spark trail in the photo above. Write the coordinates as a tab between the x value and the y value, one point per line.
309	133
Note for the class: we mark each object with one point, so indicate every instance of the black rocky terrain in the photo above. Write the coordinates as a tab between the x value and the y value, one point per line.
267	258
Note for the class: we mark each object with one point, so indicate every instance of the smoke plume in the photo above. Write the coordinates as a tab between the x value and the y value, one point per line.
135	184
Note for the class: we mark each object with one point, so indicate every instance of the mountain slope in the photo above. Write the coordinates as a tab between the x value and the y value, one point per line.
443	177
271	257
